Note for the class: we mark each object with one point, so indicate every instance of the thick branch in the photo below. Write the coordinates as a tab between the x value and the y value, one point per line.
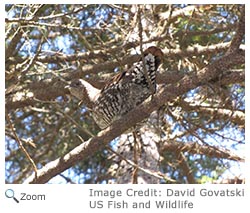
49	90
195	50
37	91
164	95
110	64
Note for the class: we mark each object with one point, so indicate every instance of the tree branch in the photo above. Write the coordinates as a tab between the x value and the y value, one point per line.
240	33
219	112
51	89
184	166
195	148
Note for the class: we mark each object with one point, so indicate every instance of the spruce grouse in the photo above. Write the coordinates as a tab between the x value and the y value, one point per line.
124	92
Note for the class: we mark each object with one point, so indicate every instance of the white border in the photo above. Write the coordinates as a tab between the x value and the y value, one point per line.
76	197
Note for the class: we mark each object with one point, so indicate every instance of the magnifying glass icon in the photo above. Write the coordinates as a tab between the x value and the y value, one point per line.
9	193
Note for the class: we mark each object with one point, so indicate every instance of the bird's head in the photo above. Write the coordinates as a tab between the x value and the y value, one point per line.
77	88
84	91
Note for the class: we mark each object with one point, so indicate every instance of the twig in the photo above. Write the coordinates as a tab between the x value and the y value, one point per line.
136	149
135	165
21	145
240	33
195	148
155	174
185	167
85	130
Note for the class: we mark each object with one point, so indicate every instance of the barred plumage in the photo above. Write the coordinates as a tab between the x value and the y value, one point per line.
124	92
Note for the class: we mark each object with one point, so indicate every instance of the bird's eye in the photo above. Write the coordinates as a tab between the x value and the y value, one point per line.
76	83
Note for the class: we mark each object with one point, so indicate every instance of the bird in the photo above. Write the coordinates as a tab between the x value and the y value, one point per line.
123	92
